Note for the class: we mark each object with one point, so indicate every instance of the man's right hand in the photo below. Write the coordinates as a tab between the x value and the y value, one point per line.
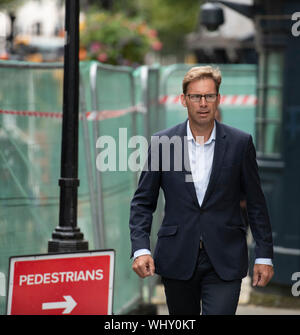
144	266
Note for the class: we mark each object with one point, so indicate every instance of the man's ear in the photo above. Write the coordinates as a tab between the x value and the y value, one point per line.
218	99
183	101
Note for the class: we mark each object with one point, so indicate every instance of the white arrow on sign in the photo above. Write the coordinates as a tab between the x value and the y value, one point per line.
69	304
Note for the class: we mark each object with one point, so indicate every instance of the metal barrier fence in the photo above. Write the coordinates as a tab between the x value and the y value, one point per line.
30	128
118	97
139	102
31	104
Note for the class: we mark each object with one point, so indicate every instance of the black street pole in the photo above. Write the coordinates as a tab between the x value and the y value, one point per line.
67	236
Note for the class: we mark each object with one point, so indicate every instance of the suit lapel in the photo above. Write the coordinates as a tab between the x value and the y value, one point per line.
220	148
186	169
187	173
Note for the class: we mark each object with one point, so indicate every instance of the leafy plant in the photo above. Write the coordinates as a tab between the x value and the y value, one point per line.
116	39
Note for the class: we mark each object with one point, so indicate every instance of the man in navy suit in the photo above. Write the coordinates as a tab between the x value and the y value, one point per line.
201	251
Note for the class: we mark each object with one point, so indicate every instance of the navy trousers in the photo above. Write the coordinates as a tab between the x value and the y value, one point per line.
205	293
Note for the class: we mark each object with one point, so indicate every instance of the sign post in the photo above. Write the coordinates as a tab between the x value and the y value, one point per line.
62	284
67	236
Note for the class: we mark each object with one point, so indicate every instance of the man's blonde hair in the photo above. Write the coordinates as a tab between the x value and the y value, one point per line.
202	72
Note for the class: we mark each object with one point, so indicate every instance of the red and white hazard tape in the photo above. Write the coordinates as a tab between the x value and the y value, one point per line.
169	99
93	115
32	113
108	114
232	100
240	100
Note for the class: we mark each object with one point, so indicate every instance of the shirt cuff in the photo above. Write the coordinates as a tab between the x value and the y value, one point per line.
266	261
141	252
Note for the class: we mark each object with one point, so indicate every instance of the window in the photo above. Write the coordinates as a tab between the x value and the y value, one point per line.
269	108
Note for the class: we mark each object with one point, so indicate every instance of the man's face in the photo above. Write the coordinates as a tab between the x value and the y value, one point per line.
201	113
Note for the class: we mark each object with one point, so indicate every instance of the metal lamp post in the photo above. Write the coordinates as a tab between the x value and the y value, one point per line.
67	236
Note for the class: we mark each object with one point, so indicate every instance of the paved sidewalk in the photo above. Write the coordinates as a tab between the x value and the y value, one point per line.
248	310
260	310
244	308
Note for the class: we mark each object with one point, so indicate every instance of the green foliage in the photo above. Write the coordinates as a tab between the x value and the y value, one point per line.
116	39
172	19
10	4
4	2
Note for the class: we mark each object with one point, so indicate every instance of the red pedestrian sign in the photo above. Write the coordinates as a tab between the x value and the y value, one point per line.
62	284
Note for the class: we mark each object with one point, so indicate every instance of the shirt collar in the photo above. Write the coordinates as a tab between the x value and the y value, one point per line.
191	137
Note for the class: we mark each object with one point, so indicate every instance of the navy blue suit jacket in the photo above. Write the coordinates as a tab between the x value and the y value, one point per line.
218	221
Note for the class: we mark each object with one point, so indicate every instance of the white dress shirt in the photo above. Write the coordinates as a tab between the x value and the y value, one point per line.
201	158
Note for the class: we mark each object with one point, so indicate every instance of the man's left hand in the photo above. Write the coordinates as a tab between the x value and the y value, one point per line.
262	274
